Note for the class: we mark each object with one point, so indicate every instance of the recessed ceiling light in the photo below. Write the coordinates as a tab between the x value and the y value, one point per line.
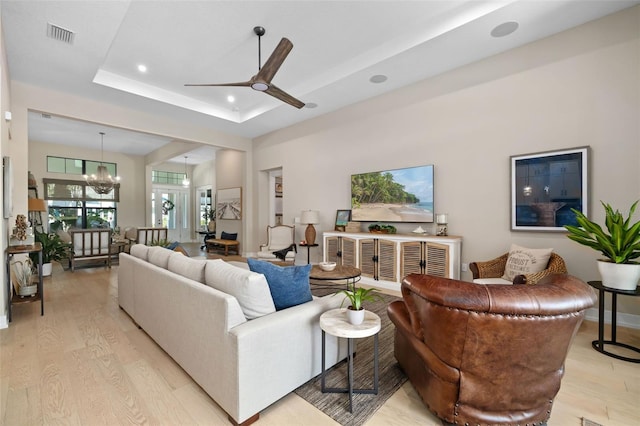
504	29
310	105
379	78
231	99
142	68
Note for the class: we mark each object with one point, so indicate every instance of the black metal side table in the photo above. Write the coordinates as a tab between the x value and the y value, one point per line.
308	246
599	345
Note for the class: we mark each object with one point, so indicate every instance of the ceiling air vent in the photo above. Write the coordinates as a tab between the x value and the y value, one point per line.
61	34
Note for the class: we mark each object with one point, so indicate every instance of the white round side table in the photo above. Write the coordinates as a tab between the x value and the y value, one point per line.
335	322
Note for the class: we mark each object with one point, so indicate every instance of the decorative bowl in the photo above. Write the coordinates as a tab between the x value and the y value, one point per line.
327	266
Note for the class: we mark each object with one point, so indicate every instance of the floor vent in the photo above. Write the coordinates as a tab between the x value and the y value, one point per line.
61	34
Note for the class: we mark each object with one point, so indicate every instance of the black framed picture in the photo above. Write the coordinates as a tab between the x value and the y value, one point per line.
545	186
342	219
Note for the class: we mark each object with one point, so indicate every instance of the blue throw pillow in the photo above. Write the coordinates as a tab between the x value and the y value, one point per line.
289	285
229	236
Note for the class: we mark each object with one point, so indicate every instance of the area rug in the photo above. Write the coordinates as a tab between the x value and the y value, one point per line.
391	378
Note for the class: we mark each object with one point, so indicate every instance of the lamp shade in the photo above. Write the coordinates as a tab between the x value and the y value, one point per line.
310	216
37	205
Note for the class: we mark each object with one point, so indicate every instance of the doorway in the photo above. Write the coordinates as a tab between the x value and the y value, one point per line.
170	209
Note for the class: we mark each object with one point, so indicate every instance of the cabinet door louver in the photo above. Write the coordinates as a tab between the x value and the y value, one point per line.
349	252
387	260
367	252
411	258
437	260
332	244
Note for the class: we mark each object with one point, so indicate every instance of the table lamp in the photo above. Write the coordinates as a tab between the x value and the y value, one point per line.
36	205
309	218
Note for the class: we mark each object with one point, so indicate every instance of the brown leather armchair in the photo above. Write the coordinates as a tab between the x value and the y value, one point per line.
487	354
495	269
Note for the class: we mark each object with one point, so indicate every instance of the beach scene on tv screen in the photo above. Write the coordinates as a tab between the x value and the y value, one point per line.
400	195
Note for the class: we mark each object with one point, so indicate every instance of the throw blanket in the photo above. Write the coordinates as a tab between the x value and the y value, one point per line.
282	254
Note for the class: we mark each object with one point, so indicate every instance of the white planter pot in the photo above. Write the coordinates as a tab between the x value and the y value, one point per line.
621	276
46	269
355	317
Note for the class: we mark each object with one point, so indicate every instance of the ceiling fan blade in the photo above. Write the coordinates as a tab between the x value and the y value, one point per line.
274	62
241	84
283	96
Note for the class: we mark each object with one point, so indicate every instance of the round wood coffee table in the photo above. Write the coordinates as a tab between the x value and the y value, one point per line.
339	275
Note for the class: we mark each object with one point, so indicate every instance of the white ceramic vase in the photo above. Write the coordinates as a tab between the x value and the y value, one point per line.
621	276
355	317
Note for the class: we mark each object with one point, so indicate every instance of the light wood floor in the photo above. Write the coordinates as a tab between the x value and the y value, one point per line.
85	363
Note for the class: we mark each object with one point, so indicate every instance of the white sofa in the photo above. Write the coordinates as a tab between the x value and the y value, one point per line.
245	365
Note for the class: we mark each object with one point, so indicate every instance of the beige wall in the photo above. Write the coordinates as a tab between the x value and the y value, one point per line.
131	169
577	88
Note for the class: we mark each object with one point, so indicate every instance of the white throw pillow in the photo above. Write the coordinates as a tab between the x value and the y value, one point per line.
523	261
249	288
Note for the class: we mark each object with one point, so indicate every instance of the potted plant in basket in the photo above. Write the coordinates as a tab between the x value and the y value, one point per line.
53	250
620	246
24	285
357	295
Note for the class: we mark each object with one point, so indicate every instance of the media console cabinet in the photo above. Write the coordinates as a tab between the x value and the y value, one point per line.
384	259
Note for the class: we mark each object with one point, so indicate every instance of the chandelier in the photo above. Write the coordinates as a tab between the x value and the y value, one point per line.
101	182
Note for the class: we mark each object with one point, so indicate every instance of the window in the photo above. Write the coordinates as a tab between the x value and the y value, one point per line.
74	204
74	166
171	178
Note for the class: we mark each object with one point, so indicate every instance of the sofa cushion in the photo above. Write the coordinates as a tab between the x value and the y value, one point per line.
249	288
187	267
523	261
229	236
140	251
289	285
159	256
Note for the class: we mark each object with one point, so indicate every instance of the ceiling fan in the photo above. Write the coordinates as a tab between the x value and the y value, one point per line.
262	80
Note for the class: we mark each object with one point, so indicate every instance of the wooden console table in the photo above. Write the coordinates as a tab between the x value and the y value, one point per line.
12	297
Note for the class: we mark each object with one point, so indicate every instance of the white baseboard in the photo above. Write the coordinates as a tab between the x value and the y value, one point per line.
3	322
622	319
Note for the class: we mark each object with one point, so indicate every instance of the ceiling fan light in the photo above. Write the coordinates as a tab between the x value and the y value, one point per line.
259	86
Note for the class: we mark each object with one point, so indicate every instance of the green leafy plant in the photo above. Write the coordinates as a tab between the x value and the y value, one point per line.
53	248
621	244
160	242
380	228
209	213
357	295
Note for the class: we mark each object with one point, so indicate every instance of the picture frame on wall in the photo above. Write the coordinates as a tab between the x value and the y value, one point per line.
342	219
229	203
545	186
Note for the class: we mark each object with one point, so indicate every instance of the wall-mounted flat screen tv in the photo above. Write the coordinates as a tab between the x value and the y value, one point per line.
400	195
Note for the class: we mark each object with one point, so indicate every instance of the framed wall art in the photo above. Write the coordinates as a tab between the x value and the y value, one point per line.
545	186
342	219
229	203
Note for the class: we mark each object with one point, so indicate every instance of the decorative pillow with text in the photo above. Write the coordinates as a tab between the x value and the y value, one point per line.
523	261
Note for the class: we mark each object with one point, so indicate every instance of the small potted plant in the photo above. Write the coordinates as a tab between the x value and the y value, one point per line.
620	246
210	216
53	250
378	228
358	295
